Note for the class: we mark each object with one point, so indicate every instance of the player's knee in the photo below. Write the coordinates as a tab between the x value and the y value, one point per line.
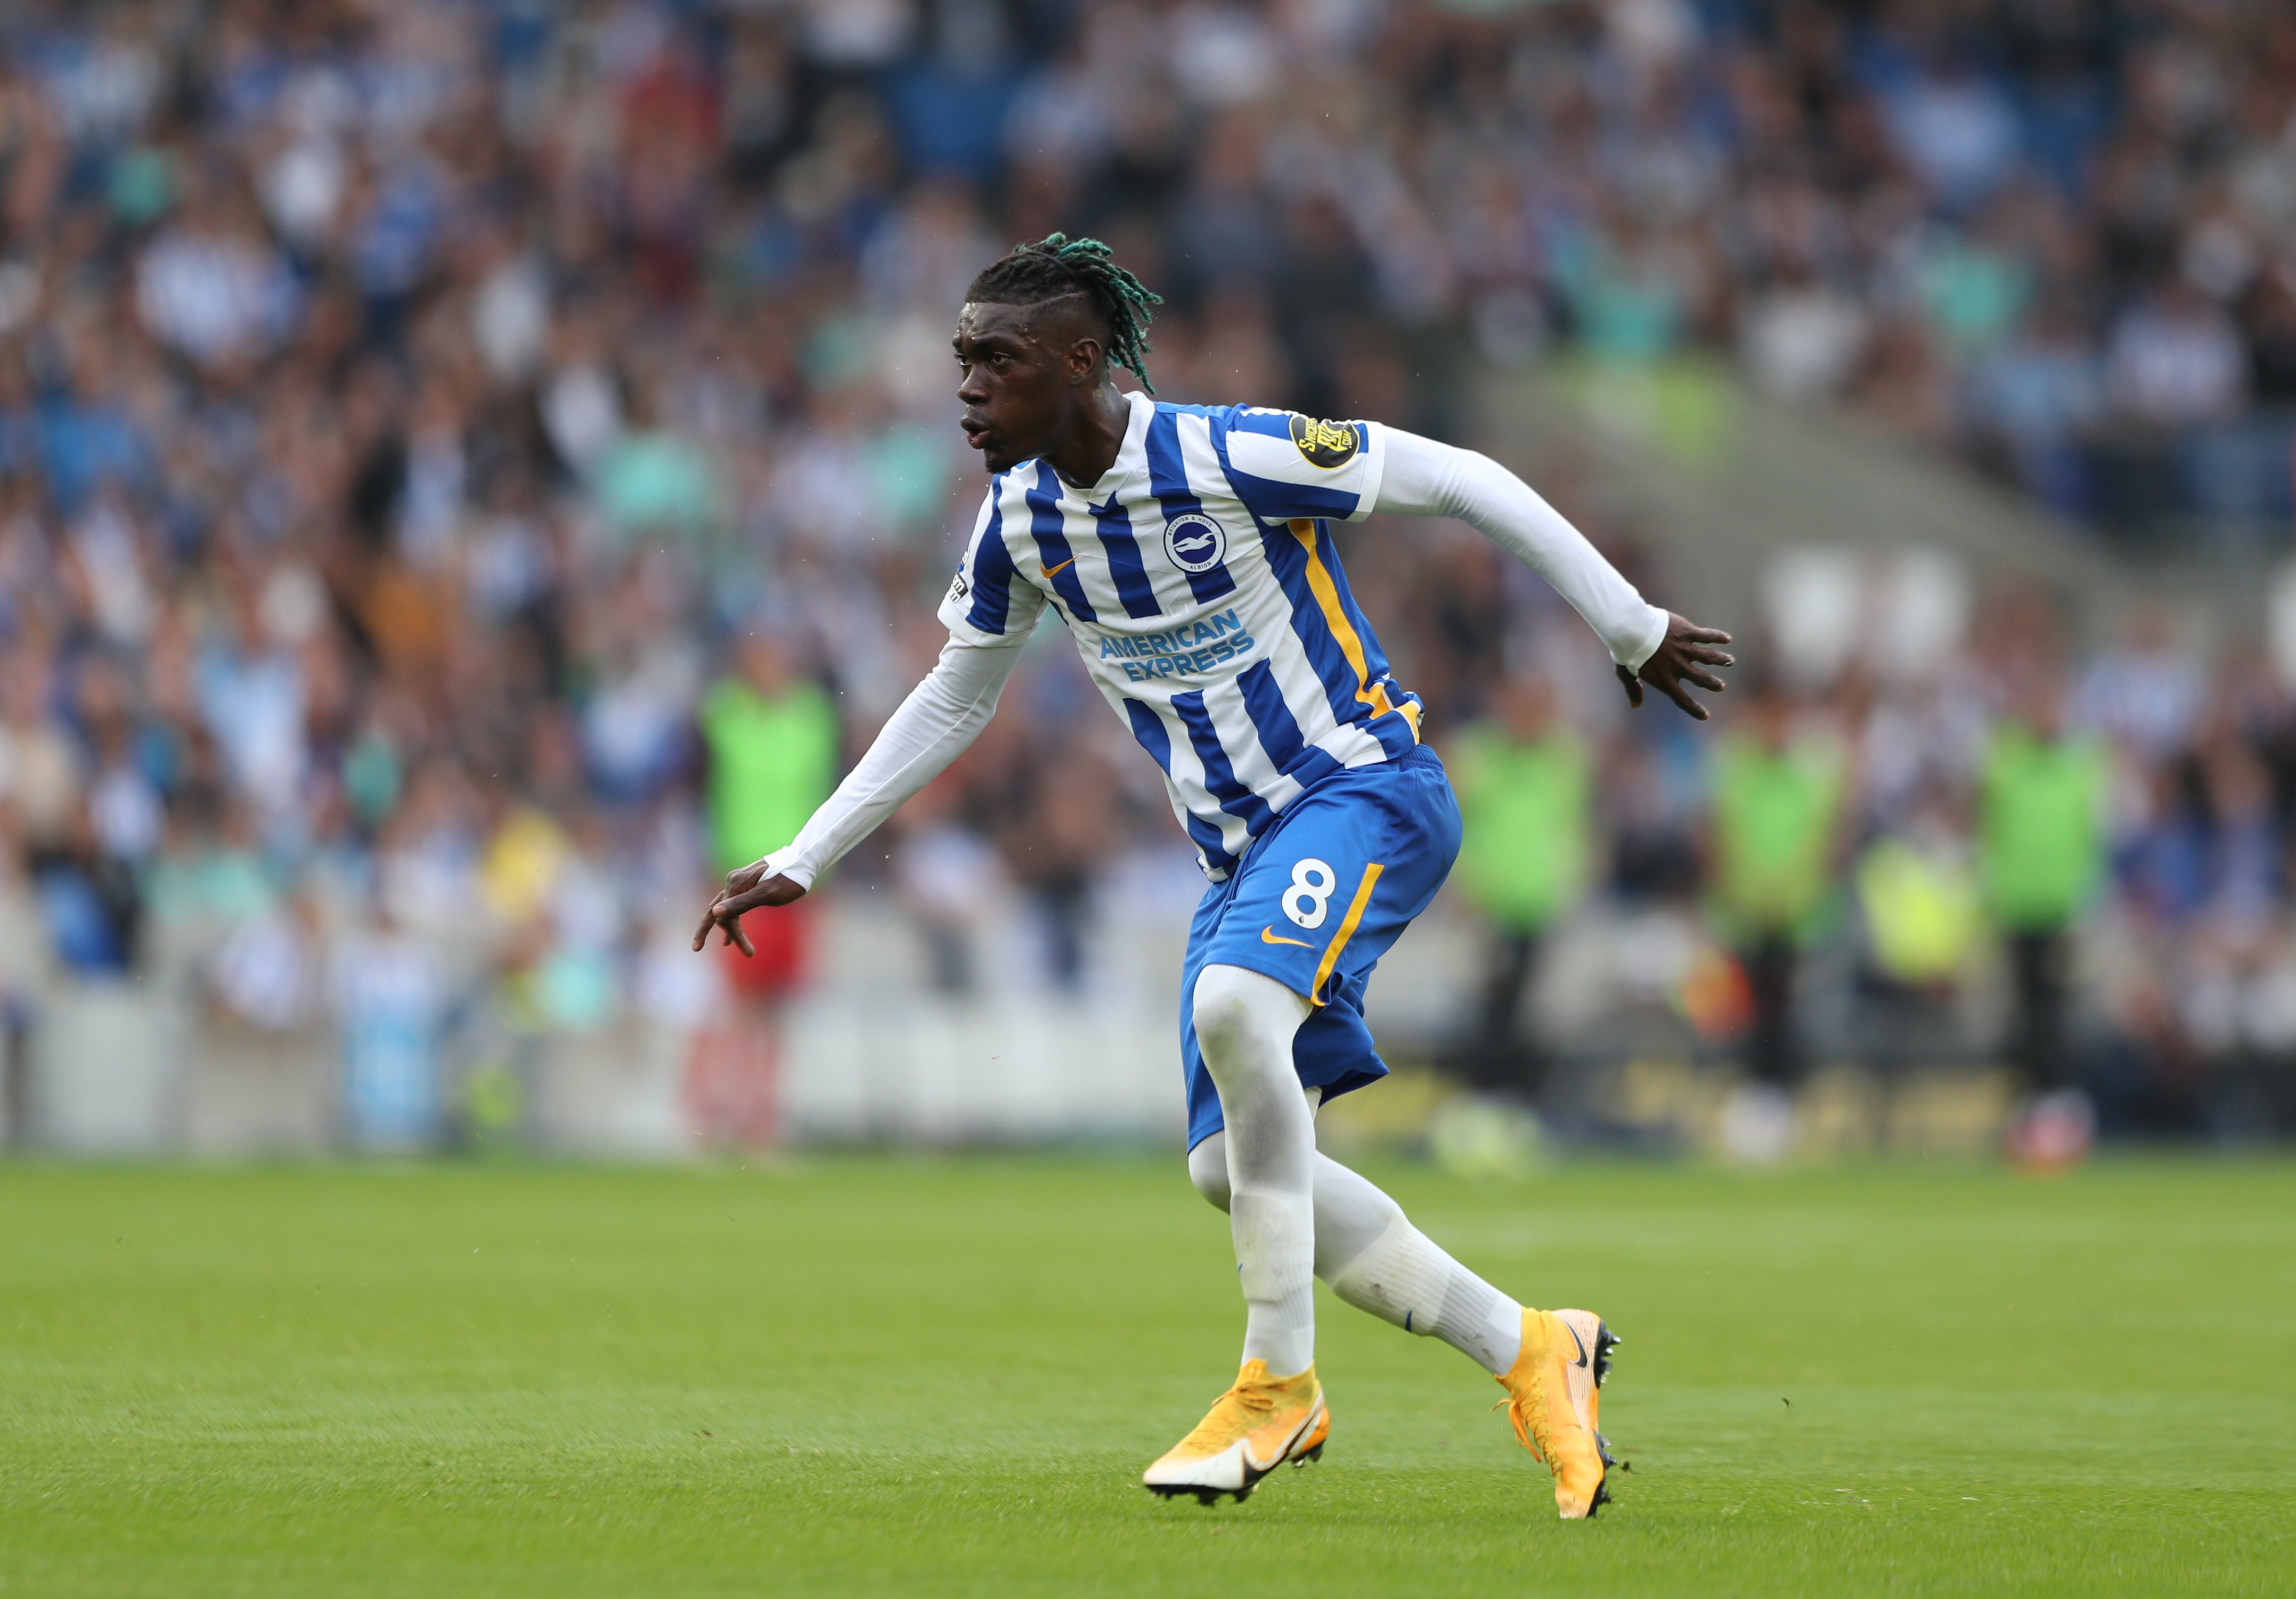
1208	1169
1223	1009
1233	1008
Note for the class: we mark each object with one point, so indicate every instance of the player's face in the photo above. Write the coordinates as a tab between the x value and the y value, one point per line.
1016	385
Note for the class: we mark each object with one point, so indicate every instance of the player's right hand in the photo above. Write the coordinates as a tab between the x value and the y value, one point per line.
748	888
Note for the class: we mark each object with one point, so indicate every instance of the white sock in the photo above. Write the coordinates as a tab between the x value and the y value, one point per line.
1275	1243
1373	1259
1244	1022
1404	1278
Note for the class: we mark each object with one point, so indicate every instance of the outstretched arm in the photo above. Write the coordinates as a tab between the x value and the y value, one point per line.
1424	478
941	717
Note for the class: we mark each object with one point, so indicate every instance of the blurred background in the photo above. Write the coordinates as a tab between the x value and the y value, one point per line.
472	472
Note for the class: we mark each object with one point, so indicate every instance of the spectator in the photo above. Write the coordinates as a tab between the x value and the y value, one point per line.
212	288
772	741
2041	395
2147	692
389	1004
2042	800
1523	782
1778	807
1957	130
2176	360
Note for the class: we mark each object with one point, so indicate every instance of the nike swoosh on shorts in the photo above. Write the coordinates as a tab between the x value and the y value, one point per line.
1267	936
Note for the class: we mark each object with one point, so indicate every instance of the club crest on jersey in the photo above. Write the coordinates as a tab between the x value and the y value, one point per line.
1323	443
1195	542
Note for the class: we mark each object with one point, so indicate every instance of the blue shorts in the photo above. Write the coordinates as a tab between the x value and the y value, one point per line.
1315	902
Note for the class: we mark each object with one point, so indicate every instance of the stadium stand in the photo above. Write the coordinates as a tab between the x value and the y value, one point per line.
408	412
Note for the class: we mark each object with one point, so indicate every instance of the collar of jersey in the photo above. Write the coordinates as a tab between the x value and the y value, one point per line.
1131	458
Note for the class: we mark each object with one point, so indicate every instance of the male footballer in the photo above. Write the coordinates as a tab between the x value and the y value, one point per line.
1189	551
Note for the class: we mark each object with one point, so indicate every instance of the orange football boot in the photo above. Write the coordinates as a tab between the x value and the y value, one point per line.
1554	1390
1256	1426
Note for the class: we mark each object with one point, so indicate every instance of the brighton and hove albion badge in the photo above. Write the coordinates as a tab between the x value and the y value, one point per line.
1325	443
1195	542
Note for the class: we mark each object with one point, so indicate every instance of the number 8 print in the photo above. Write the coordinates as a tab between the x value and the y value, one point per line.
1309	898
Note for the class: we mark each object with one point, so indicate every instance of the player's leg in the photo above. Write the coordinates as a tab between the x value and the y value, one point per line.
1552	1363
1272	1003
1373	1258
1239	1025
1244	1025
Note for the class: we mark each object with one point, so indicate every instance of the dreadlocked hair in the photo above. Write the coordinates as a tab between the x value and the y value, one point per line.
1059	267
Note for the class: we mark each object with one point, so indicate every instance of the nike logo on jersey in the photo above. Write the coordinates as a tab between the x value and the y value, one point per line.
1267	936
1052	571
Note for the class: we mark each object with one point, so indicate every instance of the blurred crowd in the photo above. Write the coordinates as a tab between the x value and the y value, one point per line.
2070	863
471	469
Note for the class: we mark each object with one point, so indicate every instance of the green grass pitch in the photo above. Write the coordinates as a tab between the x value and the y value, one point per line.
853	1376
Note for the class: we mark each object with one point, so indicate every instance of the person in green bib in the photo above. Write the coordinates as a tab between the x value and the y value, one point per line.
772	739
1774	849
1523	780
2041	852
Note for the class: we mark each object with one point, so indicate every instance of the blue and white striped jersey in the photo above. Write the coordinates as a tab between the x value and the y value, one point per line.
1202	587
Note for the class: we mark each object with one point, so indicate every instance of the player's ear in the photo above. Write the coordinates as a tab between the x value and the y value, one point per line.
1084	359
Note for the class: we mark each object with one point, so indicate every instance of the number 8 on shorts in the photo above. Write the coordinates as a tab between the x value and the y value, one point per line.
1309	900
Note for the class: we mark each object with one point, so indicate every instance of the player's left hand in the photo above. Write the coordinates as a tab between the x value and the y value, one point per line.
746	889
1681	659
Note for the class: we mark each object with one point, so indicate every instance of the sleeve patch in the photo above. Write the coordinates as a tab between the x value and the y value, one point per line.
1325	443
